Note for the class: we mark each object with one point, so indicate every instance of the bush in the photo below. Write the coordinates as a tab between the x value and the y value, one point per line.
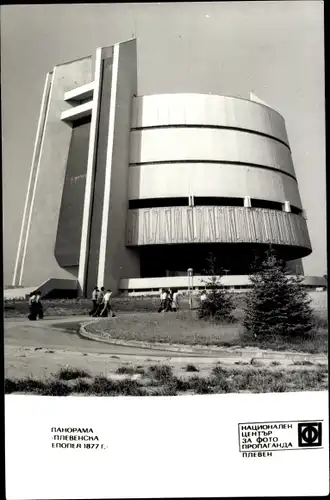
162	373
166	390
10	386
81	386
277	303
130	370
55	388
30	385
129	388
191	368
304	362
71	374
125	370
219	371
201	385
103	386
106	387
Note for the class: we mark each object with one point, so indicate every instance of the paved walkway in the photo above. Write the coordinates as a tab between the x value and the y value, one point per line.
48	334
43	347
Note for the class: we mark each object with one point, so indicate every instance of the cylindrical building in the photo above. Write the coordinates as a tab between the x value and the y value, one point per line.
210	174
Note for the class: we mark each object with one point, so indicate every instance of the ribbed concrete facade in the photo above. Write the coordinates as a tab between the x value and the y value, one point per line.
148	186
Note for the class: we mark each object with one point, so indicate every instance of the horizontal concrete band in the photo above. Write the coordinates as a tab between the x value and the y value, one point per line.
219	127
199	281
178	225
208	110
205	144
177	179
211	162
212	201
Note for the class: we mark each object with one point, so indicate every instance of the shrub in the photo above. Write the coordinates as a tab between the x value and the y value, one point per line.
30	385
201	385
129	370
10	386
255	362
219	371
304	362
277	303
102	386
105	387
81	386
220	380
166	390
71	373
180	384
223	385
55	388
191	368
162	373
128	388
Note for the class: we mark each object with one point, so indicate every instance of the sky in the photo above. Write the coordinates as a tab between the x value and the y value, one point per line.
274	49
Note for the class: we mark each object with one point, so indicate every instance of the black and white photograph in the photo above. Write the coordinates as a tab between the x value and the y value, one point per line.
164	198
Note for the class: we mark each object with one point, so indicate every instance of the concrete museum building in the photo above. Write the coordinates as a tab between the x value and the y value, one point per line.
130	191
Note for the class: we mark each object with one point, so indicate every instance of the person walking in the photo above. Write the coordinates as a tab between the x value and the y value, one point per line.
175	301
32	307
107	305
39	307
95	295
163	298
99	303
168	303
110	307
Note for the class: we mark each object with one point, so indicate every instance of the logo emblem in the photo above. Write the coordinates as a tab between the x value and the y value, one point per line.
310	434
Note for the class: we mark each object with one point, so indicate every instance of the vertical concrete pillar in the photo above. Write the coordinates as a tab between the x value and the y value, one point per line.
286	206
18	271
115	260
93	202
36	262
247	202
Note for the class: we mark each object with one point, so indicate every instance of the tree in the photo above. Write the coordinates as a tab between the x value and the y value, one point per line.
277	303
218	304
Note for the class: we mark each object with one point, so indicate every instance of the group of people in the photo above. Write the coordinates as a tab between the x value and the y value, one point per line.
35	306
169	300
101	303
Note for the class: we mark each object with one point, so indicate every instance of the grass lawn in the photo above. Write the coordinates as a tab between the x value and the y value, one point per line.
184	328
80	307
172	328
159	380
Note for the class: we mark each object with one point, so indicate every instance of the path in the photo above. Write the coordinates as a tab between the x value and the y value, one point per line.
21	332
39	348
43	347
